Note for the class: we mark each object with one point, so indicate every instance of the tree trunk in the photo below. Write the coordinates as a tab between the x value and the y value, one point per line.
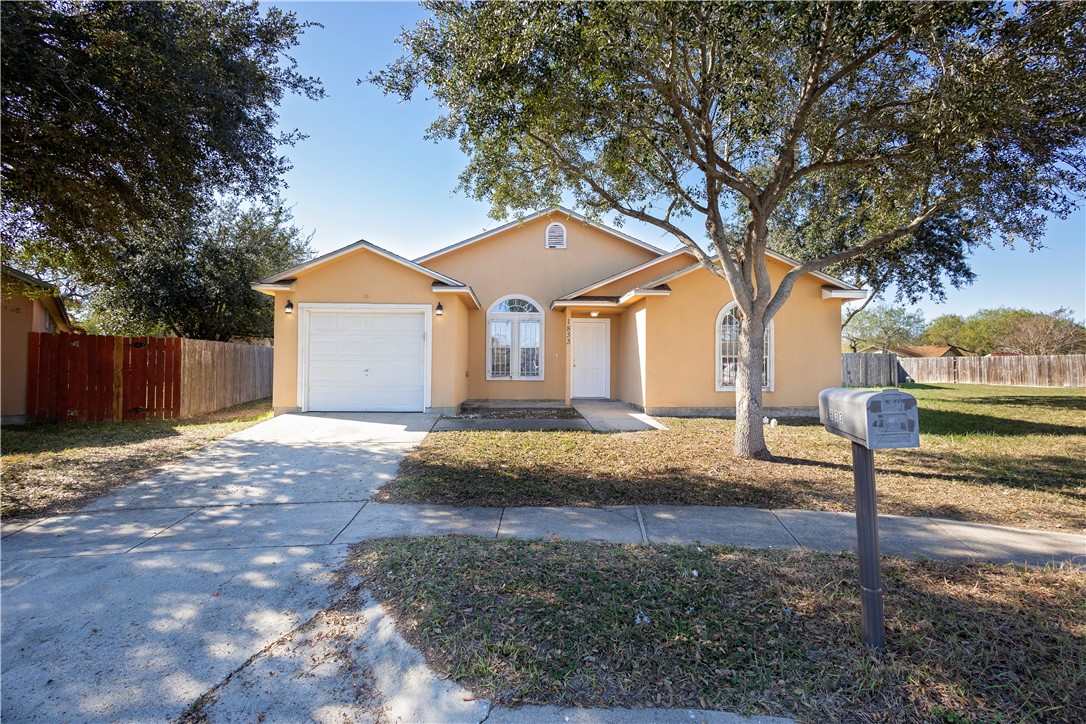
749	433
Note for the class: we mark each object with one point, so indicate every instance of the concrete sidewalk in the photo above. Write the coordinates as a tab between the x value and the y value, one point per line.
900	536
203	525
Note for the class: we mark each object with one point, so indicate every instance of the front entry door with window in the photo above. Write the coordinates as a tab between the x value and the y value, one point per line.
590	342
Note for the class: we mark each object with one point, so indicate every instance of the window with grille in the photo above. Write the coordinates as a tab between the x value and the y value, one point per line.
727	351
514	340
556	236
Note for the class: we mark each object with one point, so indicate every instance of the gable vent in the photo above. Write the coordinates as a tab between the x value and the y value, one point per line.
556	236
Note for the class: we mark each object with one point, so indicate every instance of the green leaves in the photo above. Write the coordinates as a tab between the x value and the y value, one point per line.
870	112
117	112
188	274
883	327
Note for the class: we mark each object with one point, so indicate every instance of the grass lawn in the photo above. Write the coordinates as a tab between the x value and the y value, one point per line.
50	469
775	632
1003	455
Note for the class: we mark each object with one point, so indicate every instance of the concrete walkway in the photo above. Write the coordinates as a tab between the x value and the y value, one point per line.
597	415
612	416
216	580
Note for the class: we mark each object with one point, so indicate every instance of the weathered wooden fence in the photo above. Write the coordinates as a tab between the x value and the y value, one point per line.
215	375
1066	370
81	378
868	369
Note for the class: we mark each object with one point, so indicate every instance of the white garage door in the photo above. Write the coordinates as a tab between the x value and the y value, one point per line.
366	361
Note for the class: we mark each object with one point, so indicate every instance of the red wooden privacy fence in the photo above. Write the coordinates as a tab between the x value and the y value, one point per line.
85	378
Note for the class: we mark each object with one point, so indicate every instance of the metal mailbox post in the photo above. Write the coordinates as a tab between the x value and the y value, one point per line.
872	421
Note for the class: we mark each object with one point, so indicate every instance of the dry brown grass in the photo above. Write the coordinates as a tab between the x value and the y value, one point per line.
775	632
50	469
1008	456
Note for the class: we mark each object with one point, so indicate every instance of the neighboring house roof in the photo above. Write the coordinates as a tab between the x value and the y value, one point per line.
51	301
284	279
928	350
532	217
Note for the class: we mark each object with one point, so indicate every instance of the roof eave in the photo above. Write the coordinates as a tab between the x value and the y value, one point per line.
634	294
831	293
562	303
465	290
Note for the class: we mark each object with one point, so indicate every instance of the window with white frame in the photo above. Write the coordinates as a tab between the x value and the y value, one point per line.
556	236
514	348
727	350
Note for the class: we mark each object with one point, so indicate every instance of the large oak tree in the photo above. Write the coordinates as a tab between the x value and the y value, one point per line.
841	129
119	113
188	273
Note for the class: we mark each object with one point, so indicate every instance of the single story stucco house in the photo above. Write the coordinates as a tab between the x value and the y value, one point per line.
551	307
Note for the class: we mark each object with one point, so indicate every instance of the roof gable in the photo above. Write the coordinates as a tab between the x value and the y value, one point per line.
283	279
532	217
623	274
850	290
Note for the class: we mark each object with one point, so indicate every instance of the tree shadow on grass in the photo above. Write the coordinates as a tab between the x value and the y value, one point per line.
45	438
946	422
786	483
1058	474
1063	402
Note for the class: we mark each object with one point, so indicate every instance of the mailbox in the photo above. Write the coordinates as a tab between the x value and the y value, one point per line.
876	420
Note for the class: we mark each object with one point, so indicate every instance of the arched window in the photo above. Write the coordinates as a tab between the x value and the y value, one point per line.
727	350
514	349
556	236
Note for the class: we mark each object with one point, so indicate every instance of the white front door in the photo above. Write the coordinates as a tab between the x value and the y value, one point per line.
590	342
365	361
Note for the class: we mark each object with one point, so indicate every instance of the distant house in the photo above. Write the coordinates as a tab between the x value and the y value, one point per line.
928	350
29	305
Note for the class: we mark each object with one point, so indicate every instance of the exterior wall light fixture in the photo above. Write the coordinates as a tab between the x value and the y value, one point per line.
289	309
594	314
440	309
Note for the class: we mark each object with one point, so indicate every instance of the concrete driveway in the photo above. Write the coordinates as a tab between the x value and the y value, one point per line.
140	603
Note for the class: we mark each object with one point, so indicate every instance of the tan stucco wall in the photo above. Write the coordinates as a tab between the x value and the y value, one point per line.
682	344
20	316
632	339
516	262
363	277
656	271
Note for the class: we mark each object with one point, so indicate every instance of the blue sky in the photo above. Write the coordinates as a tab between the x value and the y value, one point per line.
365	172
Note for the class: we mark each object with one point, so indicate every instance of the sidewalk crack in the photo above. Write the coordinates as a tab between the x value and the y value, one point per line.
356	513
975	553
641	524
786	529
171	525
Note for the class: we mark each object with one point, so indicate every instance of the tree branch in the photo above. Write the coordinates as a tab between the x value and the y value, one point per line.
790	279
